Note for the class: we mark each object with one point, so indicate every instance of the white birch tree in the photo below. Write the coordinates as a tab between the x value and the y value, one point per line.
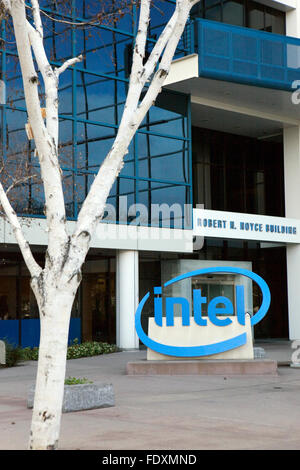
55	285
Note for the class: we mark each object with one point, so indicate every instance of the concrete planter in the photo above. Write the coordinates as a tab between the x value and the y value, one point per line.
83	397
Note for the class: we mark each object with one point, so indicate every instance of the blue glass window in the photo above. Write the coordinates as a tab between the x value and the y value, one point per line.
91	101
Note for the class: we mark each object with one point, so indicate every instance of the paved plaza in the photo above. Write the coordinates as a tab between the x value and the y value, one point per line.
166	412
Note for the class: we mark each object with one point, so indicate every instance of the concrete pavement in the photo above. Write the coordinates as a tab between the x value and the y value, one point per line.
167	413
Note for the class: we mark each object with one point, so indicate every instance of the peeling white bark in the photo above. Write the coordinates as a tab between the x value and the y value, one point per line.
55	286
7	5
49	389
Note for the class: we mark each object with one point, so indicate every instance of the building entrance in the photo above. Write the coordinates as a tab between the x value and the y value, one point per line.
99	301
242	174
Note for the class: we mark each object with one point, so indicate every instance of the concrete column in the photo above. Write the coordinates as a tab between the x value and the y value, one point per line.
293	22
292	210
127	298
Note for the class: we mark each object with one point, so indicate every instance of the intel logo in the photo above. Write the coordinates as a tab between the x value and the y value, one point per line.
217	309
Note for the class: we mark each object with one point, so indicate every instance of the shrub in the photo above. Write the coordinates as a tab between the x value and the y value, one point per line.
75	381
30	354
75	350
89	348
13	354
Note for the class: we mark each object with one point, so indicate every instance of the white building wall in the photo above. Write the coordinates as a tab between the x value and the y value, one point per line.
292	204
293	22
292	196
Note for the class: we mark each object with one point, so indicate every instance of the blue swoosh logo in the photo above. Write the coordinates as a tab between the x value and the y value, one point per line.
209	349
186	351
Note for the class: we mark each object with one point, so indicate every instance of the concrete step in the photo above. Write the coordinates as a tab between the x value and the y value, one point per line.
203	367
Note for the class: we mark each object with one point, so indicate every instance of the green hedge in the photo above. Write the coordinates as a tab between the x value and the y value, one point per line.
75	350
13	354
90	348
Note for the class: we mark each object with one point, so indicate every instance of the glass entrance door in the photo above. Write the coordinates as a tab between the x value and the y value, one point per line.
99	303
214	287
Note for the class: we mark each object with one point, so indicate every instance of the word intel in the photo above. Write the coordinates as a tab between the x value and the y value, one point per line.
215	313
213	310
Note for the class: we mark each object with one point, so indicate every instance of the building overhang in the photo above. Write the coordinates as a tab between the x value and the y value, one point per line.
107	236
283	5
233	107
231	69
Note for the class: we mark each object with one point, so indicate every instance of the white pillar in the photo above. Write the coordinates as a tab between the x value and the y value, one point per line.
292	210
293	22
127	298
292	197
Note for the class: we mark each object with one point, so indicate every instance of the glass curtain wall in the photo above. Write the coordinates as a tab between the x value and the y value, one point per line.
19	317
238	174
241	174
98	298
242	13
92	96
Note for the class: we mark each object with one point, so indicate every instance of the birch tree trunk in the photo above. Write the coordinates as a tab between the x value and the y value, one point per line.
56	284
50	378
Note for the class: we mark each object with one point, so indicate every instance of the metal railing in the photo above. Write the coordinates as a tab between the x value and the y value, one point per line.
244	55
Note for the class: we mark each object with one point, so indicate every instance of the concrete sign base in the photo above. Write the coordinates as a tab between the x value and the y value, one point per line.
195	335
203	367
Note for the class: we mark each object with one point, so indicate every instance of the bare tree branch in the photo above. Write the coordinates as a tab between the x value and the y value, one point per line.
68	64
46	137
37	17
17	182
6	5
93	206
31	264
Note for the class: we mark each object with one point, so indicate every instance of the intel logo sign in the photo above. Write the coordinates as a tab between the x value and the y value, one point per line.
216	313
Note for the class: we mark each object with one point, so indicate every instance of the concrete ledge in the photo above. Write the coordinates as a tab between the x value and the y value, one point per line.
82	397
203	367
2	353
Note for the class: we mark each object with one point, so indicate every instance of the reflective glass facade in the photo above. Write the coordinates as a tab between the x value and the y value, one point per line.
92	94
242	13
230	172
238	174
